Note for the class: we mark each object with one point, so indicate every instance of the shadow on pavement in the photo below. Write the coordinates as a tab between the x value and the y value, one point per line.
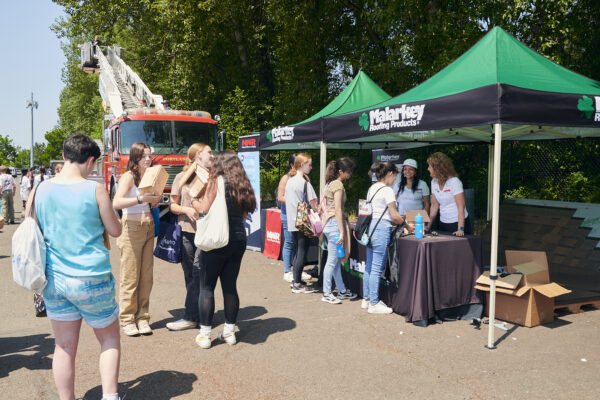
258	330
159	385
36	349
245	313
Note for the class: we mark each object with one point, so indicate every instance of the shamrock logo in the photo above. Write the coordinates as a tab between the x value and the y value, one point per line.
378	158
363	122
269	136
586	106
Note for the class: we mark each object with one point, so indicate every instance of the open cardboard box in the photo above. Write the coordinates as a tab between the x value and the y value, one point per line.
154	180
410	215
526	295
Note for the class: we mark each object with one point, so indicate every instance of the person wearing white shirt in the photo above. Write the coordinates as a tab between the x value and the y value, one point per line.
9	189
411	193
25	185
448	195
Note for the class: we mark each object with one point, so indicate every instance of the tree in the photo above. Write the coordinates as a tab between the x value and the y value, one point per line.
54	148
8	152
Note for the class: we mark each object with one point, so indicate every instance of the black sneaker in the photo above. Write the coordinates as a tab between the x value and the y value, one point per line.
301	289
347	295
301	282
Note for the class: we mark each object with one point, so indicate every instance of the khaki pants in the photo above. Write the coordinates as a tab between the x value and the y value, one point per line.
8	210
137	263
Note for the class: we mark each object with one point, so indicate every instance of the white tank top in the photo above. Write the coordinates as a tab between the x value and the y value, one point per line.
138	208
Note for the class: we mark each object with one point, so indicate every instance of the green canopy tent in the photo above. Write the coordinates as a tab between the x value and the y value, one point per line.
498	90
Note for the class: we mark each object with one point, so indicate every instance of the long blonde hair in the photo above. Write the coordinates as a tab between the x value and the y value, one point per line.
301	158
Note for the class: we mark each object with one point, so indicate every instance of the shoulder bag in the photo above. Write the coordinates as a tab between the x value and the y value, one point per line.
29	252
168	244
212	231
365	216
303	212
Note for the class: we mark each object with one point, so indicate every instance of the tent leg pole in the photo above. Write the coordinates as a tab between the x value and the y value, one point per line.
322	166
495	225
490	181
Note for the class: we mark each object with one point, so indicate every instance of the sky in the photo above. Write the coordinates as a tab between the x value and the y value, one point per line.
31	60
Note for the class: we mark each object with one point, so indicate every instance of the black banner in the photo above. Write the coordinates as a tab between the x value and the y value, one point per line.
248	143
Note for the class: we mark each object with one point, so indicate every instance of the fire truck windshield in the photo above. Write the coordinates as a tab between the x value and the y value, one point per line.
166	137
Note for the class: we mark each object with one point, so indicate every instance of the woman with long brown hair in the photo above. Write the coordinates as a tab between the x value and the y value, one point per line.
193	178
224	263
136	243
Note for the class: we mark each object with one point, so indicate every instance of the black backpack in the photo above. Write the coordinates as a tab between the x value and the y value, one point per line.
364	221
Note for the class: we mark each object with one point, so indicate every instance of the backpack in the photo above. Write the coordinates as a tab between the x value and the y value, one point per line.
365	216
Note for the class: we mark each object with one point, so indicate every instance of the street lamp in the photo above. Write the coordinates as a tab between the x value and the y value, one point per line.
32	104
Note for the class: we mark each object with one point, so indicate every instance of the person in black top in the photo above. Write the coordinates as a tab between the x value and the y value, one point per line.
224	263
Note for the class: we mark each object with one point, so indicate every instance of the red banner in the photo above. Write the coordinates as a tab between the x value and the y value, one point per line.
273	236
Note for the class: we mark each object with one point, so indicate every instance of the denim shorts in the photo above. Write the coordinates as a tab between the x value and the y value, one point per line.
70	298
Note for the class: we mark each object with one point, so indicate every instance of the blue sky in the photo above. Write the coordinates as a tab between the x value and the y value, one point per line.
30	61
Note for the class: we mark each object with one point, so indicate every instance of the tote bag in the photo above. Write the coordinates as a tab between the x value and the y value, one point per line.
168	244
303	212
212	231
29	252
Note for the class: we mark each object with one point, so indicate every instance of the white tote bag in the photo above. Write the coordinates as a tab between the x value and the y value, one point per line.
212	231
29	253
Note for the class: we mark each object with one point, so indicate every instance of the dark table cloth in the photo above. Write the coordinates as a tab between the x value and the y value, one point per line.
436	277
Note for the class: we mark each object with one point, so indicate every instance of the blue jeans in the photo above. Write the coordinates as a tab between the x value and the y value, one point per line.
288	251
376	254
333	267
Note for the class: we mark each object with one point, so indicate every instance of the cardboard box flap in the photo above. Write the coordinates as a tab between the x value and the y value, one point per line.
516	258
154	180
486	288
522	290
410	215
509	281
551	290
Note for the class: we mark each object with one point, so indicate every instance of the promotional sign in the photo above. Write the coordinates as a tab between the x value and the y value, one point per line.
394	156
250	161
273	234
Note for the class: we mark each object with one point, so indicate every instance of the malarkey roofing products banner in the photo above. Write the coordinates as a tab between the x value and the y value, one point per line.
250	161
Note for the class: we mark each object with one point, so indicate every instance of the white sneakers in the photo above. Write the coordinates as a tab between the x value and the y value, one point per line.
144	327
364	304
229	338
379	308
306	276
288	276
131	330
181	325
203	340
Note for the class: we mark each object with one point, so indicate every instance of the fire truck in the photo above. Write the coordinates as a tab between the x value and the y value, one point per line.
134	114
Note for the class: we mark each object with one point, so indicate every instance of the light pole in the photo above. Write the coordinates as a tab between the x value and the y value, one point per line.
32	104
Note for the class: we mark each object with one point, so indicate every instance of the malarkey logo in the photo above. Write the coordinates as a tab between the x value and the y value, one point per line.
390	118
281	133
586	105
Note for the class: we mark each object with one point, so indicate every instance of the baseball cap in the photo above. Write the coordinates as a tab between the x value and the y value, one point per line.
410	162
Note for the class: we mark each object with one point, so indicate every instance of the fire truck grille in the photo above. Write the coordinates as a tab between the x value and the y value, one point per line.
172	170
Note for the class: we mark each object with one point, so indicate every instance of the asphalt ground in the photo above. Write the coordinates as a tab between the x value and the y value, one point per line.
296	346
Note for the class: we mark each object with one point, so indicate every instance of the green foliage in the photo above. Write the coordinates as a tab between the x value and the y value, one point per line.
55	139
8	152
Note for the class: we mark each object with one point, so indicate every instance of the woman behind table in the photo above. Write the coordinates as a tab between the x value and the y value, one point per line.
336	229
193	177
25	185
136	243
224	263
73	213
294	194
412	193
448	196
381	195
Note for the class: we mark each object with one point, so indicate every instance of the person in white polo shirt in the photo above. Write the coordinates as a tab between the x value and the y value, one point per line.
8	193
411	192
448	196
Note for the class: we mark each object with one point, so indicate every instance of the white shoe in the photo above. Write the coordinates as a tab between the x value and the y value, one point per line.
229	339
306	276
203	341
130	330
379	308
181	325
144	327
288	276
364	304
331	299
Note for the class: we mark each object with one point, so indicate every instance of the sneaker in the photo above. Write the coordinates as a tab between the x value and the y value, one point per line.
288	276
306	276
379	308
203	341
300	288
364	304
347	295
181	325
301	282
229	339
131	330
144	327
331	299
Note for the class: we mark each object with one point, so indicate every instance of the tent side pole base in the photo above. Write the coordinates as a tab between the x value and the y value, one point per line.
495	224
490	182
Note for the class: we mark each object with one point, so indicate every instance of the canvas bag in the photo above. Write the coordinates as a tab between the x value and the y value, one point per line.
365	216
212	231
29	252
168	244
303	215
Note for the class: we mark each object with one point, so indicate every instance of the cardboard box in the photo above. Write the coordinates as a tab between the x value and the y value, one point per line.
154	180
410	215
526	295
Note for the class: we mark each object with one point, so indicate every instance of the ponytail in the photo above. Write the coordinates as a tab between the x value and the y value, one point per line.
343	164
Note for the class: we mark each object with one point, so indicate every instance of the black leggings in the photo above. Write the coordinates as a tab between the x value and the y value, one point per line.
453	226
221	263
301	241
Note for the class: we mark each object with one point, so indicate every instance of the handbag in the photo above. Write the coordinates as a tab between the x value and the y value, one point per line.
303	212
365	216
212	230
168	244
29	252
156	218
